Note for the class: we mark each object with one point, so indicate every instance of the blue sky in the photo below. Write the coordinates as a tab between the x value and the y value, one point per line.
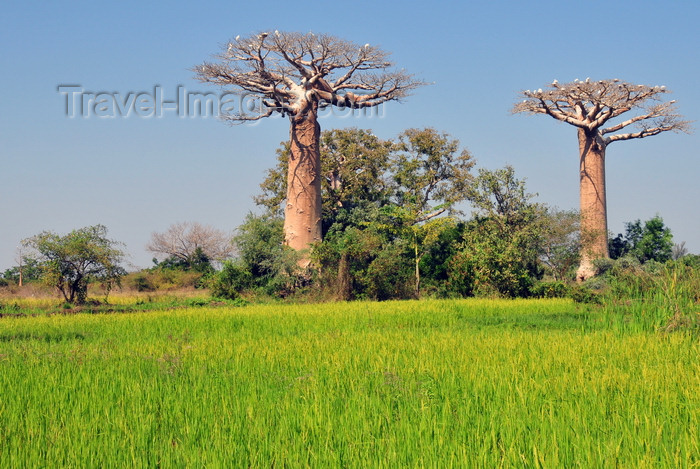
138	175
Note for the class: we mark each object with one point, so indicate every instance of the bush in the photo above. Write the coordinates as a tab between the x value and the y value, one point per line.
232	279
582	294
141	282
550	290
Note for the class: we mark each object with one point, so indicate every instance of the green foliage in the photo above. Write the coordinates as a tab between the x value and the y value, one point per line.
560	244
649	296
273	267
231	281
650	241
501	244
428	177
428	173
656	242
71	262
556	289
369	260
197	262
166	279
584	294
141	282
31	271
353	163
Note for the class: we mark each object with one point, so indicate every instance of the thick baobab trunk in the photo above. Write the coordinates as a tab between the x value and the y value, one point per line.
594	218
302	214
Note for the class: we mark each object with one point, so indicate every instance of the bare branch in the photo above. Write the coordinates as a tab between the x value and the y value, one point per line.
589	105
288	71
181	240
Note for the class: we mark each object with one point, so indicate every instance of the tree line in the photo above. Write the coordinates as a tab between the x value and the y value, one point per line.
394	226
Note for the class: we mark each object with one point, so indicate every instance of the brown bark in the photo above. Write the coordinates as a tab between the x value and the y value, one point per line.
594	224
302	215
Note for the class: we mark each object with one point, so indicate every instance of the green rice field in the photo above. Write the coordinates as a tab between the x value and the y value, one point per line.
432	383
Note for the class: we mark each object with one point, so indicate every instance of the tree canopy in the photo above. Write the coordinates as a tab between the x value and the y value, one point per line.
190	244
290	73
591	104
71	262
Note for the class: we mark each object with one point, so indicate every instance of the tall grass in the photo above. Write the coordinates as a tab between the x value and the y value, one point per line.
664	298
470	383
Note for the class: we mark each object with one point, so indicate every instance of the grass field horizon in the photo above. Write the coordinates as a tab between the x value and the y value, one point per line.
434	383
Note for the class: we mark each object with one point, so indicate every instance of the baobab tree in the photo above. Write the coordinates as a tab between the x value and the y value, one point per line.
296	75
589	106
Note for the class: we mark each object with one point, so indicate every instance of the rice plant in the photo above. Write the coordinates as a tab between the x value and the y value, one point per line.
453	383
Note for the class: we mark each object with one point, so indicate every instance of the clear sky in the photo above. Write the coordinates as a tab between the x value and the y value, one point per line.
137	174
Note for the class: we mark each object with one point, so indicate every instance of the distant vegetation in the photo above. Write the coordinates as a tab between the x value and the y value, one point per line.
394	227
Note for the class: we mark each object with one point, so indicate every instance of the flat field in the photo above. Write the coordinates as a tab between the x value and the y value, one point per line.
468	383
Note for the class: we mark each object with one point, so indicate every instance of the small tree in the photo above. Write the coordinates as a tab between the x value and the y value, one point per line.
589	106
502	243
191	245
296	75
271	265
429	176
71	262
651	240
561	242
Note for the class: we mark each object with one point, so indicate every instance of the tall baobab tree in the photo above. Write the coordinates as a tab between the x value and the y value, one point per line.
589	106
296	75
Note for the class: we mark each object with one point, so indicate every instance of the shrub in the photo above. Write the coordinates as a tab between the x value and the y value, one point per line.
141	282
550	290
582	294
230	281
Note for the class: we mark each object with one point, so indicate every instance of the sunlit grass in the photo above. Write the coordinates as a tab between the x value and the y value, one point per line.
469	383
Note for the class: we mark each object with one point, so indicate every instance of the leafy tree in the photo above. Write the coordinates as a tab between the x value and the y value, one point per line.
656	242
366	258
71	262
261	252
560	246
198	262
29	271
429	176
589	106
501	244
231	281
651	240
295	75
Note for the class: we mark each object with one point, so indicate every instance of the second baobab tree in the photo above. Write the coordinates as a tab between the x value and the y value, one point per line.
590	106
296	75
